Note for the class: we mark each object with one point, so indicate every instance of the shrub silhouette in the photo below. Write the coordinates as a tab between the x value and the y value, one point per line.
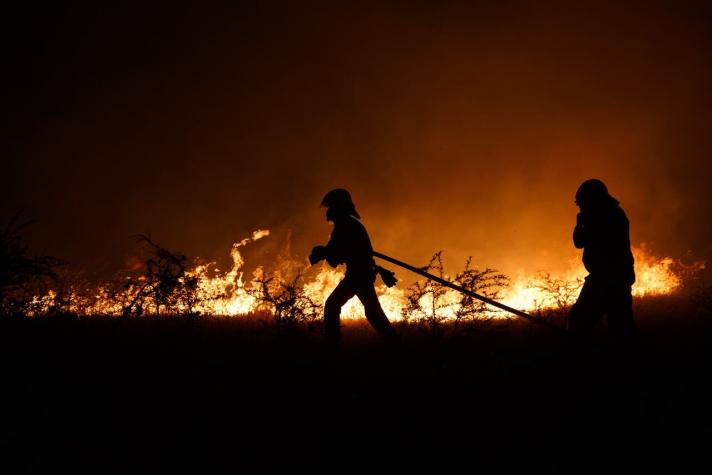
21	276
165	283
286	300
438	310
559	293
488	282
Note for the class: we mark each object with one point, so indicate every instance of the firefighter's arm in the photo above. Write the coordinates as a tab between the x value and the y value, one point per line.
329	252
580	231
332	254
334	250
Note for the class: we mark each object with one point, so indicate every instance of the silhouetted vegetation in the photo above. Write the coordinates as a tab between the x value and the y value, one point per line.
559	294
439	311
166	279
500	400
21	277
287	302
97	382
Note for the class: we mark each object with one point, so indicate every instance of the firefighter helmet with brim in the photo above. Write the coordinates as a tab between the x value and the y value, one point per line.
340	199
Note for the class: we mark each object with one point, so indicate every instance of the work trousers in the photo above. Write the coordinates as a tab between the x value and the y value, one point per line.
603	296
362	287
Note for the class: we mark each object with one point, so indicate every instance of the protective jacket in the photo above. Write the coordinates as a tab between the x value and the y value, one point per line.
349	244
603	233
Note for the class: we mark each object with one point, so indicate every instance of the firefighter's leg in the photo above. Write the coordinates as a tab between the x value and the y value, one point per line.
375	314
332	309
583	317
621	325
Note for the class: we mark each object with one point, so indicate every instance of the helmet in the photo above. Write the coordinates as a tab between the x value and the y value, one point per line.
593	191
340	199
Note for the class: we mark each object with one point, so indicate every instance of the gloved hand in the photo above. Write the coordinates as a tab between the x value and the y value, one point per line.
389	277
318	253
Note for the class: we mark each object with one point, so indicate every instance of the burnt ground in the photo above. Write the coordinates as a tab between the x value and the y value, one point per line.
105	395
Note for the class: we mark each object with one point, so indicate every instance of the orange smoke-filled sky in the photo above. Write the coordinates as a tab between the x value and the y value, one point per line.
458	126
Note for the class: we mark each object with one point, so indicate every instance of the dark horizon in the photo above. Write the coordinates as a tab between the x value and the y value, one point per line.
459	127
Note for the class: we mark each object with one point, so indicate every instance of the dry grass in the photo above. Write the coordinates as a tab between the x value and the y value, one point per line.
170	393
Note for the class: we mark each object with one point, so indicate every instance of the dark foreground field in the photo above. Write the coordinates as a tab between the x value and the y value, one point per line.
170	395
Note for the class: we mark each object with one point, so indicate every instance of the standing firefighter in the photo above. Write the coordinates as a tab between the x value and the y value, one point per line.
602	231
350	245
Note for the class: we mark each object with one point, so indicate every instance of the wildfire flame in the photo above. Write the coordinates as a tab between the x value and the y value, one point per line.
653	276
230	294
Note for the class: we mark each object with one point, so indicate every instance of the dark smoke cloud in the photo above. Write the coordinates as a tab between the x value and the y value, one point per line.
457	126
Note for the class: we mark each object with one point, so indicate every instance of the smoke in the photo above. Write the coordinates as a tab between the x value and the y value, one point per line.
456	127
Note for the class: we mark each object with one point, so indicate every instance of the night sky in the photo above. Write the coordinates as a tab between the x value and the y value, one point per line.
456	126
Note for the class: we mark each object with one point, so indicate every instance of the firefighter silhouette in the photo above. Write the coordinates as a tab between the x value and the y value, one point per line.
602	230
349	244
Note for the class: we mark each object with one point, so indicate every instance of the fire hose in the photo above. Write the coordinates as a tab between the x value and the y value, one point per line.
468	292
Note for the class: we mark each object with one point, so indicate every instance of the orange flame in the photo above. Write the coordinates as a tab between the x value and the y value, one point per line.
229	294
